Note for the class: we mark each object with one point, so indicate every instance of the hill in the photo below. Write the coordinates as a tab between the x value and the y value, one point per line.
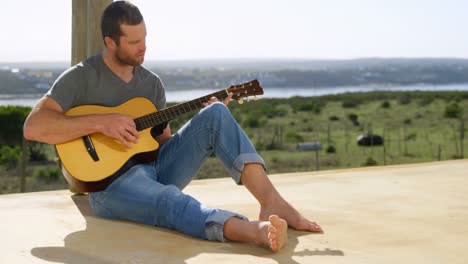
37	77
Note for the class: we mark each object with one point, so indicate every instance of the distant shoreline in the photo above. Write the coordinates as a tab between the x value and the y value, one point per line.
177	96
20	96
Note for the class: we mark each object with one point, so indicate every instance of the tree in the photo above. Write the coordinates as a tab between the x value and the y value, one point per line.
11	134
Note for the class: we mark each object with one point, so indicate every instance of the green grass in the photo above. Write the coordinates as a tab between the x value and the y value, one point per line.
413	133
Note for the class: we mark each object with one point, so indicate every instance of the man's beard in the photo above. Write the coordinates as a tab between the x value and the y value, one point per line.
126	60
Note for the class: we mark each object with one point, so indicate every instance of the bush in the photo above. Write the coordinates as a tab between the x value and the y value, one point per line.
405	99
407	121
280	111
331	149
251	121
293	137
425	101
9	156
453	110
349	103
37	151
259	145
310	106
370	162
47	175
14	116
385	104
334	118
353	118
411	136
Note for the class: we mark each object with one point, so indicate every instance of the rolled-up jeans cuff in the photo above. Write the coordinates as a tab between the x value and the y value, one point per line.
240	161
215	224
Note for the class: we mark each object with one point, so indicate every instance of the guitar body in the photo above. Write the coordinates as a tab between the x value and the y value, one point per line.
89	175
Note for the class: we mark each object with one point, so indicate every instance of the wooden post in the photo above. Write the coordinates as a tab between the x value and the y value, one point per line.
346	138
399	141
405	143
384	146
24	160
455	140
317	162
439	153
388	140
462	137
86	28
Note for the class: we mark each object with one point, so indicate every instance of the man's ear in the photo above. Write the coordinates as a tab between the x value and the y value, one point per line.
110	43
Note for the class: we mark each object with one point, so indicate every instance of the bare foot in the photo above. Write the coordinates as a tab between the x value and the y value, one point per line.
285	211
273	233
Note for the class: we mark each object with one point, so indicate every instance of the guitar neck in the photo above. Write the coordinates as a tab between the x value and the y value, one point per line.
172	112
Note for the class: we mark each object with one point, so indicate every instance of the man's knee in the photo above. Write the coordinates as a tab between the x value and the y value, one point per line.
215	111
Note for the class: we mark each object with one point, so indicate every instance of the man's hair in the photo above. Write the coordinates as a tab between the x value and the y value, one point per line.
116	14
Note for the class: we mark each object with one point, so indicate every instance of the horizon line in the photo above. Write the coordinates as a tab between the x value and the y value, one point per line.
261	59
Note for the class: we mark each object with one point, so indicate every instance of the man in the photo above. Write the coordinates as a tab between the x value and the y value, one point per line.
150	193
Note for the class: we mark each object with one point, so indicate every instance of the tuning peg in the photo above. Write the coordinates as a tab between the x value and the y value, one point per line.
240	101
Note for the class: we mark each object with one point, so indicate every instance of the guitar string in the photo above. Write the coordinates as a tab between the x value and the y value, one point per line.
167	114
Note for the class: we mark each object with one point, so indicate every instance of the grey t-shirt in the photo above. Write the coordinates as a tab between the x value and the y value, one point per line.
91	82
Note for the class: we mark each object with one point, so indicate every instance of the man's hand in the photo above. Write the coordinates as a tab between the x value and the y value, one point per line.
214	99
120	127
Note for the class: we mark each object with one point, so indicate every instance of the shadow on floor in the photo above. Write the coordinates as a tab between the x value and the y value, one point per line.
106	241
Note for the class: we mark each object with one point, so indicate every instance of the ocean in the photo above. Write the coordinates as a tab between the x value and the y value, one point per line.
186	95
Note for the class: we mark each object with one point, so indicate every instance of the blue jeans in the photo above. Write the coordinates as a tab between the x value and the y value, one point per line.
151	193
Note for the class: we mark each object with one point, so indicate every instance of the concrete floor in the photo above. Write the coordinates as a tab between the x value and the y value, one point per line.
396	214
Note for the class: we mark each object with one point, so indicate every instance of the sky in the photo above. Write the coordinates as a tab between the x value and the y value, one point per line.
34	30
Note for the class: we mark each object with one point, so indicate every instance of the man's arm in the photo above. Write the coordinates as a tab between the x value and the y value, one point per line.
48	123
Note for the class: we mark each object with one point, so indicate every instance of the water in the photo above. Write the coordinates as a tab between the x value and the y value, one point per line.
182	96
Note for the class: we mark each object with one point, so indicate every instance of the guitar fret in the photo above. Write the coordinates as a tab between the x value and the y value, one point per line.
171	114
183	108
144	121
159	120
153	119
147	121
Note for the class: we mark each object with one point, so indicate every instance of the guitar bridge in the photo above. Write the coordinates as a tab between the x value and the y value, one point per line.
90	148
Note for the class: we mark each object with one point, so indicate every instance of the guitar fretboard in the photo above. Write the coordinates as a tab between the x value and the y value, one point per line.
172	112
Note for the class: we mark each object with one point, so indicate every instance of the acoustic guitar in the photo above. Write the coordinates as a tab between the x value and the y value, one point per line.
92	162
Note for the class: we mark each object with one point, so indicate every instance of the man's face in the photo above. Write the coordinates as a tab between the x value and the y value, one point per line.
132	47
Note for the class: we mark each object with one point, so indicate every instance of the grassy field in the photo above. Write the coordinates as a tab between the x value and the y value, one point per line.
414	131
416	127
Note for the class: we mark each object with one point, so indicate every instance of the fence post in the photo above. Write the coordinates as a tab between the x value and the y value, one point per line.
462	137
346	138
384	146
24	155
439	153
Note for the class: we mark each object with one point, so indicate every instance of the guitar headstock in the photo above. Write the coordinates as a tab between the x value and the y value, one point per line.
245	90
